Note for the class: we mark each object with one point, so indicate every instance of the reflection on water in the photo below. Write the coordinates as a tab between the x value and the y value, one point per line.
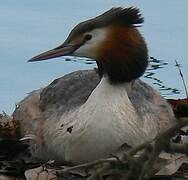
154	65
83	60
151	72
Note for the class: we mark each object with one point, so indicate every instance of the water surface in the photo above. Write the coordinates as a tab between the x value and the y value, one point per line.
30	27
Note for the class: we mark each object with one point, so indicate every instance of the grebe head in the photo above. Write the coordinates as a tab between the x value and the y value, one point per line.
112	39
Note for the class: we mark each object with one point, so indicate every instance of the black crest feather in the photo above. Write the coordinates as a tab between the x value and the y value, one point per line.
127	16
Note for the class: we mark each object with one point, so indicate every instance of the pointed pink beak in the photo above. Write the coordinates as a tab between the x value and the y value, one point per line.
63	50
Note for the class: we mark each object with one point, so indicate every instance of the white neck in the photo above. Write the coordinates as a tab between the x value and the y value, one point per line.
106	93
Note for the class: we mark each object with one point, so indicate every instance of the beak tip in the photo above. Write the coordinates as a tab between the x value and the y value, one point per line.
30	60
33	59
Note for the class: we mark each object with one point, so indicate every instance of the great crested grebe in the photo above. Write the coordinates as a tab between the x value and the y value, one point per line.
121	109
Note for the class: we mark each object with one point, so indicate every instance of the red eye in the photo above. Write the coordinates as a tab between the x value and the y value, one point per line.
88	37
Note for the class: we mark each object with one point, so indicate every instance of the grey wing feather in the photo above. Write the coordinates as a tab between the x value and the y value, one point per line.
69	91
148	102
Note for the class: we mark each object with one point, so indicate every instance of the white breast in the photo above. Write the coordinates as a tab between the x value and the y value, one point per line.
99	127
